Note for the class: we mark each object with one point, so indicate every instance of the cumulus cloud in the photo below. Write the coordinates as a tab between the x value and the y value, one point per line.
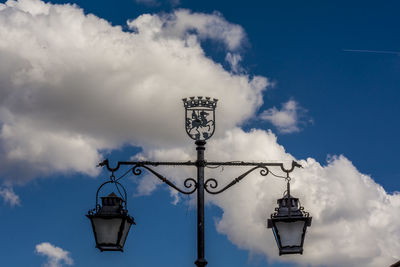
287	119
354	219
56	256
190	26
71	84
9	196
234	61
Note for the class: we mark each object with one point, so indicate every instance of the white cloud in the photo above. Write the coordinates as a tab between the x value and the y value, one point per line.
9	196
184	24
354	219
72	84
56	256
234	61
287	119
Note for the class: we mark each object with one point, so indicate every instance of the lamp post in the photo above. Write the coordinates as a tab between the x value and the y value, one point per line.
200	126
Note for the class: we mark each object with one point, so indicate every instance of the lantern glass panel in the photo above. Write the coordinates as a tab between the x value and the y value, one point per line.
127	226
290	233
107	230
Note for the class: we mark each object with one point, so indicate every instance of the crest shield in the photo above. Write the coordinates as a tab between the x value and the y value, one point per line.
200	117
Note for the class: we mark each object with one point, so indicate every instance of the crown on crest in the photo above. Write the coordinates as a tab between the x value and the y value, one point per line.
205	102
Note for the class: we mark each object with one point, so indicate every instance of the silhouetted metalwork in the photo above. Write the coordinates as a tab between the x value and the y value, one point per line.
200	126
110	221
289	223
200	117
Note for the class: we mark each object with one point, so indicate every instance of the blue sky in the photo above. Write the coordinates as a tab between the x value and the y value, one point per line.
75	90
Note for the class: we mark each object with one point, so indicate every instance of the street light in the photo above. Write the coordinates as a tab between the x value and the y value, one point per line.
110	221
287	223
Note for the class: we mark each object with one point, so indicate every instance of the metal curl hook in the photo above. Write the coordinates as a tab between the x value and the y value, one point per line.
211	182
189	182
264	170
136	170
294	165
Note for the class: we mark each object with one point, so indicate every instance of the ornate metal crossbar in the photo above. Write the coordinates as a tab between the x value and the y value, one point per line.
190	183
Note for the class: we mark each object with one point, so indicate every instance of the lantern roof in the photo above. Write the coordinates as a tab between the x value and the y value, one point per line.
288	206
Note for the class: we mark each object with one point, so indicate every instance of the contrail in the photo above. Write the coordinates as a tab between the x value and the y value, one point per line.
372	51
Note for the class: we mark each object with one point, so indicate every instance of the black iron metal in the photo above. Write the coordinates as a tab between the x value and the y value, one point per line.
213	183
289	211
200	126
188	183
200	163
137	164
113	208
112	181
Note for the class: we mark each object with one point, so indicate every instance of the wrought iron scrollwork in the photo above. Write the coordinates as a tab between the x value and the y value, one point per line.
305	213
136	170
213	183
264	171
191	183
188	183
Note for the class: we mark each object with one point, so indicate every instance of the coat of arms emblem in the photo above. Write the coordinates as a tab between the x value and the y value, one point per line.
200	117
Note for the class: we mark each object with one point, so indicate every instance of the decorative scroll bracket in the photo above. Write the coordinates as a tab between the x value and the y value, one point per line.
210	183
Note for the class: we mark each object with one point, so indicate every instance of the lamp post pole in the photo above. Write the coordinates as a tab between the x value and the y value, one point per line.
200	126
200	163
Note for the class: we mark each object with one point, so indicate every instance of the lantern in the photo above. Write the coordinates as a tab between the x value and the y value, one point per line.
110	223
289	224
